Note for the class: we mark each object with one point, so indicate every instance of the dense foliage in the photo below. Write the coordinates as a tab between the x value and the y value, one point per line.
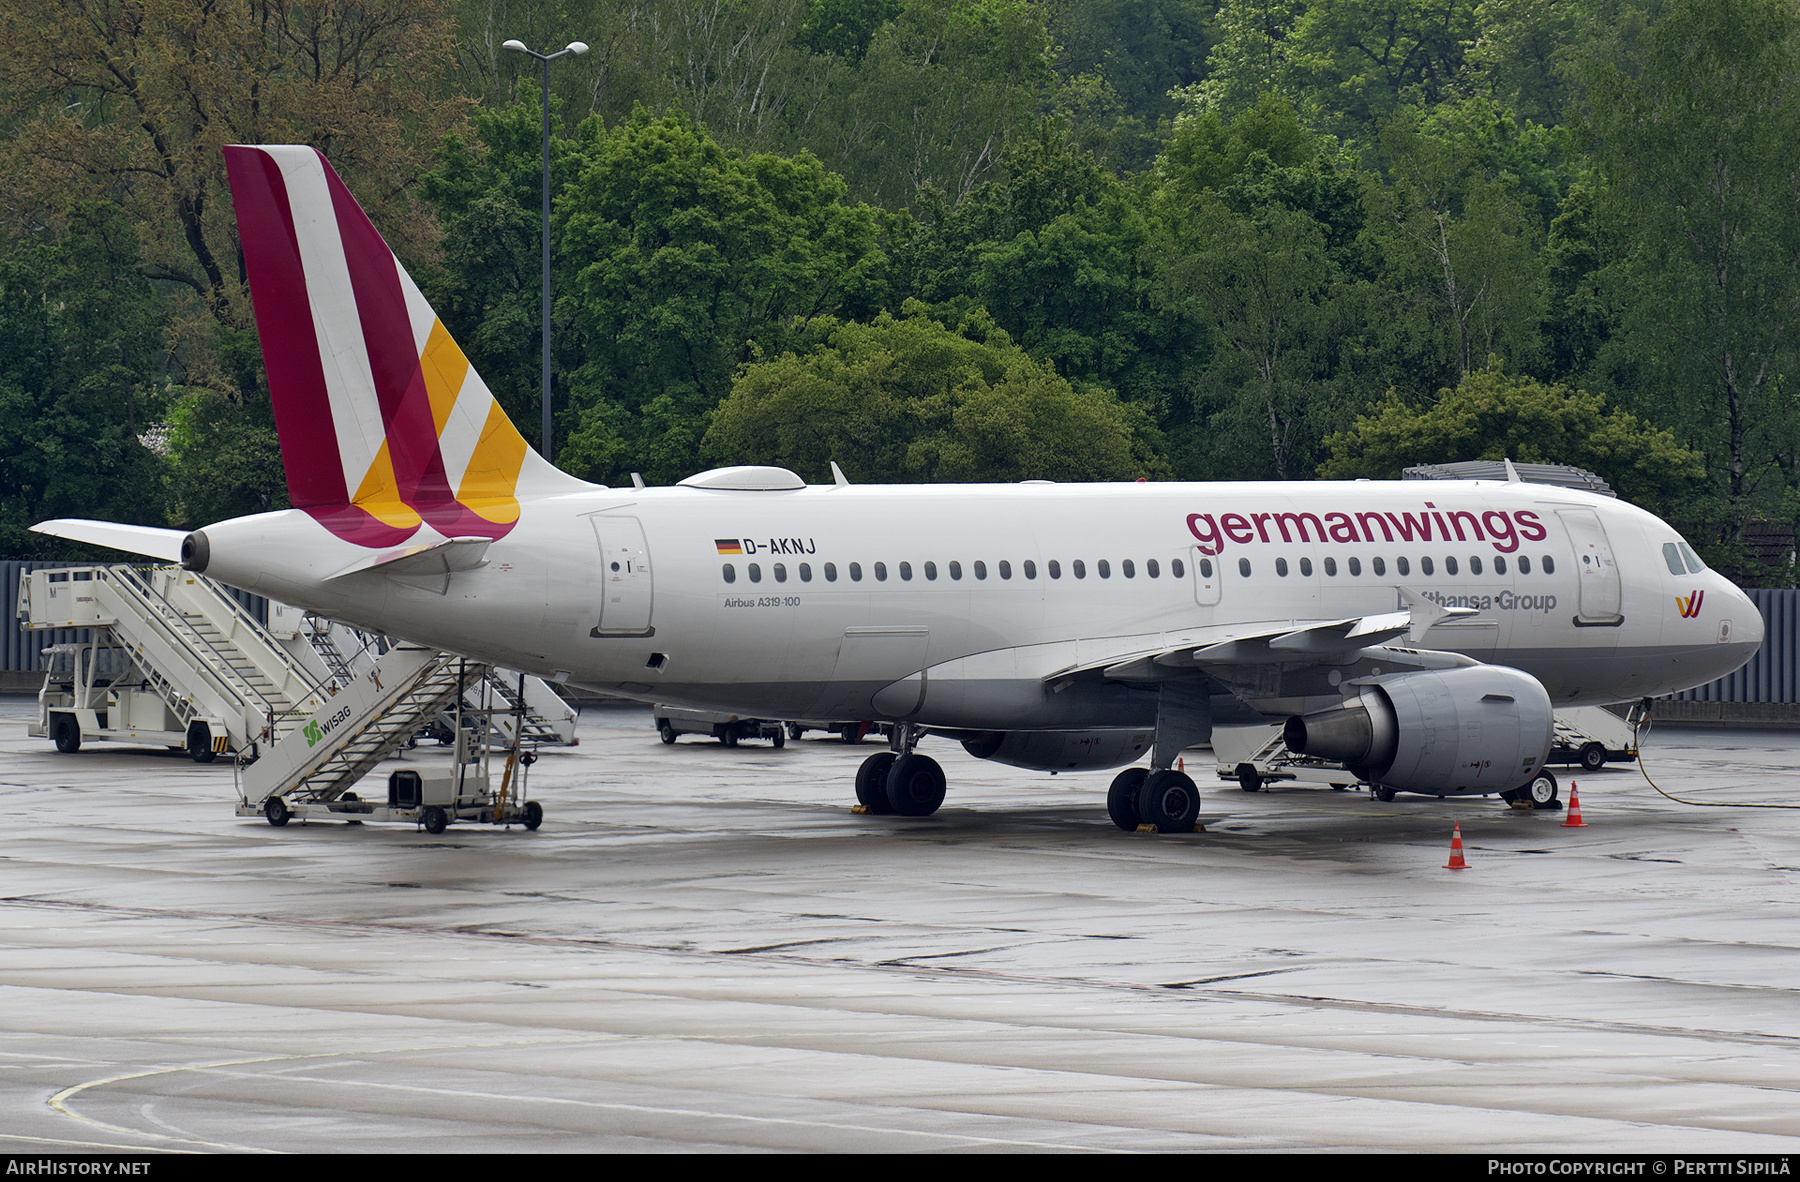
944	239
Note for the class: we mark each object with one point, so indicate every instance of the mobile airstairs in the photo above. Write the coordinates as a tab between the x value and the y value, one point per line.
307	706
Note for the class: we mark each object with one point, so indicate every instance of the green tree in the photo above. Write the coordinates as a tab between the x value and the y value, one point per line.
1492	415
1697	149
901	400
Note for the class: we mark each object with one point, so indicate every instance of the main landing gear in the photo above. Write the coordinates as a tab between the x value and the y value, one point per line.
898	782
1165	800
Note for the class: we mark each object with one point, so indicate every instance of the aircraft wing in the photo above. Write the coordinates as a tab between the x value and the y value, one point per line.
1289	643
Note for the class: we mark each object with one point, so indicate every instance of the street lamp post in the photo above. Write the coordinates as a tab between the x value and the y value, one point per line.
574	47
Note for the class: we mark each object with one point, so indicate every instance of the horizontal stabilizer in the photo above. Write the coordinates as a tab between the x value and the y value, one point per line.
435	558
133	539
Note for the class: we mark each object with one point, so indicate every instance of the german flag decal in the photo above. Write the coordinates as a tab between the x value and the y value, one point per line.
728	545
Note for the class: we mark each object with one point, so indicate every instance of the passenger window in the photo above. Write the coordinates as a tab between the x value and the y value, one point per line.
1331	567
1244	567
1356	566
1524	565
1425	566
1499	566
1150	568
1475	564
1127	569
1176	570
980	570
755	573
1672	557
906	571
856	572
1080	569
881	572
1104	568
1379	566
930	571
1549	565
1005	569
1055	569
1281	567
956	570
781	572
1030	569
831	572
1306	567
1450	566
729	573
1403	566
806	572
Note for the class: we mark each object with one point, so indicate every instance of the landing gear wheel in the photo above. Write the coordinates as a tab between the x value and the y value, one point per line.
1248	778
199	743
67	733
1170	801
1122	798
915	786
849	732
275	810
780	739
1381	792
871	782
534	814
1593	757
666	733
435	819
1541	792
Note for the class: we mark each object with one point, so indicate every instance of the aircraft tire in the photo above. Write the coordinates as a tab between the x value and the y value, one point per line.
666	733
871	782
275	811
795	730
1593	757
1170	801
1541	792
67	734
435	819
1248	778
1381	792
1122	798
915	786
534	814
847	732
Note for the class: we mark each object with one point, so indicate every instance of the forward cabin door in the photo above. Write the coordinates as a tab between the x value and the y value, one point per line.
1596	572
626	589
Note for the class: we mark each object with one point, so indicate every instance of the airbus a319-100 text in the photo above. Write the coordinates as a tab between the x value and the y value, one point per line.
1421	633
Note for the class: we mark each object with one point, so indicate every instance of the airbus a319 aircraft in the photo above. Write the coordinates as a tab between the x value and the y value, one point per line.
1419	632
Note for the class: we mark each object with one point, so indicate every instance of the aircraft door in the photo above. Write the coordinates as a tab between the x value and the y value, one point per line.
1596	571
1208	574
626	589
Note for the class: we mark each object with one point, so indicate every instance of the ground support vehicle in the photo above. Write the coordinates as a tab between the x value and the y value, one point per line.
1593	736
729	729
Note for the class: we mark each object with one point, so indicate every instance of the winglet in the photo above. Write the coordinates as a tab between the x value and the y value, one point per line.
1425	613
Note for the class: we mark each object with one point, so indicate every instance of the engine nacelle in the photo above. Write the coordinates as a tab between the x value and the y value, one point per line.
1060	751
1449	732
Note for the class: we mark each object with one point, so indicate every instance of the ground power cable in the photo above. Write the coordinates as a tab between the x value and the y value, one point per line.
1642	732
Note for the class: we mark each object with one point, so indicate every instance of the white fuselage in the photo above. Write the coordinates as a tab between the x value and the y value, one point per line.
957	605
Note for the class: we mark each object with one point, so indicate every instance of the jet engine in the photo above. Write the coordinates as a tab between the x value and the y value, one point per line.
1450	732
1060	751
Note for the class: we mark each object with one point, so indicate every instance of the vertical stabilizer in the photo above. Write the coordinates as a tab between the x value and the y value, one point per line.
384	425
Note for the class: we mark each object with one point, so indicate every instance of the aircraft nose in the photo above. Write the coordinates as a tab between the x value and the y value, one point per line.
1746	620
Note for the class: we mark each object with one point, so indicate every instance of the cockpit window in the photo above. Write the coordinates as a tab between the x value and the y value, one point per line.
1672	556
1694	565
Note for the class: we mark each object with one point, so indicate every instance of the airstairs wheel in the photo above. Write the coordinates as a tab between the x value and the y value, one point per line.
67	733
276	810
199	743
534	814
435	819
1593	757
1248	778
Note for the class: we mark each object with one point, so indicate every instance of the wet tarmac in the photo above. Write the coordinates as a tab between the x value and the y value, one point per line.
704	949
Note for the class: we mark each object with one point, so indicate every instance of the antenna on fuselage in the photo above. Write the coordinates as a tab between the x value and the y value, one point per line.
837	475
637	481
1512	473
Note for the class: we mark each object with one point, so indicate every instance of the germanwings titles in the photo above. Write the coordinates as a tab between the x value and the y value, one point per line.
1421	634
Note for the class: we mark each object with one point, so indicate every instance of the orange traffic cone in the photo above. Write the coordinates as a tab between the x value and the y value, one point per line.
1180	764
1456	859
1574	821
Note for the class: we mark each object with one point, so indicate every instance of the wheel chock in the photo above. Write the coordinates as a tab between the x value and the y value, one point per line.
861	810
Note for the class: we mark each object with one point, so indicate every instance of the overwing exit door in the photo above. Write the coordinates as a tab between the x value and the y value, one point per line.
626	586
